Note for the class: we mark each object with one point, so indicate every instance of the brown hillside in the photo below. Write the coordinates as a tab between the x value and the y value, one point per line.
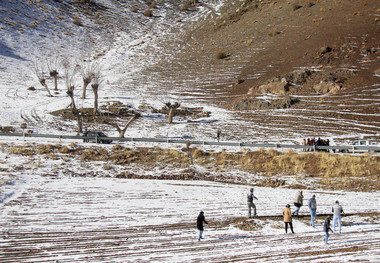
337	42
291	34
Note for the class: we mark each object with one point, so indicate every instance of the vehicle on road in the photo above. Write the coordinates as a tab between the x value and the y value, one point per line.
96	136
365	147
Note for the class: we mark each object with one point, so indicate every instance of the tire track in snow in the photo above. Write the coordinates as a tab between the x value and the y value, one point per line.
76	219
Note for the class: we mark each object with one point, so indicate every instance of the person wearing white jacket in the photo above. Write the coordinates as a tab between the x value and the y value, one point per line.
298	202
338	211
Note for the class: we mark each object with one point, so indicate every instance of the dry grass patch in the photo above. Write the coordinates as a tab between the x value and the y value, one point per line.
247	225
64	149
45	148
21	150
197	153
330	171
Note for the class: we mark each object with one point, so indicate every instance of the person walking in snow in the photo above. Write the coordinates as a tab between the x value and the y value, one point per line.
250	197
286	213
200	220
327	228
298	202
218	133
337	211
312	204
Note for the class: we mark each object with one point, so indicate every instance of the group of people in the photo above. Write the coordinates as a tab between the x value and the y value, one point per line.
337	211
312	142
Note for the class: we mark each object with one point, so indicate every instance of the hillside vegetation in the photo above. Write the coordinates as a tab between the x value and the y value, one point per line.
262	168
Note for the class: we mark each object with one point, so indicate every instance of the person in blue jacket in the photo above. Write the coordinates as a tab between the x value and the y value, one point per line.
312	204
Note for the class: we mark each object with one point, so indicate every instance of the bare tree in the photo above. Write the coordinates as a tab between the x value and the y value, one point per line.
88	71
69	80
123	130
96	79
172	109
41	77
53	65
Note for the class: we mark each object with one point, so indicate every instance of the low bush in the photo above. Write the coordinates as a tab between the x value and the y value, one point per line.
77	21
220	54
148	13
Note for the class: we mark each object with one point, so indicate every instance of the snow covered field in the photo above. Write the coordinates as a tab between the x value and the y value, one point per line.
70	219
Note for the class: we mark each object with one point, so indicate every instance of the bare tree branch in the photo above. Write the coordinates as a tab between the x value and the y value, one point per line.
123	130
41	77
54	64
88	72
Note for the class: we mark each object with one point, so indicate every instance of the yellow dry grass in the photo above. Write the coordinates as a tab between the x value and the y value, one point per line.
333	171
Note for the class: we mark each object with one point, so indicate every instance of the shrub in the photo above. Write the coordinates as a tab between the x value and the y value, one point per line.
77	21
64	149
134	9
197	153
117	147
148	13
296	6
151	3
185	6
220	54
273	33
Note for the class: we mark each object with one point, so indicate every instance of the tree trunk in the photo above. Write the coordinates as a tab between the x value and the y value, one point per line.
171	115
79	123
86	81
122	132
74	110
43	83
73	106
55	82
54	74
96	98
172	108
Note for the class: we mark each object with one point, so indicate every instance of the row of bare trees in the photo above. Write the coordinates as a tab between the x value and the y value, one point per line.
89	73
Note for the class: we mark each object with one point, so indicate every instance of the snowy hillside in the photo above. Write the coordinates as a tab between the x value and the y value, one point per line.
122	41
57	206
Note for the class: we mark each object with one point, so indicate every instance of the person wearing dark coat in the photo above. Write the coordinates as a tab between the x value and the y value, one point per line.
327	228
218	133
250	197
200	220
